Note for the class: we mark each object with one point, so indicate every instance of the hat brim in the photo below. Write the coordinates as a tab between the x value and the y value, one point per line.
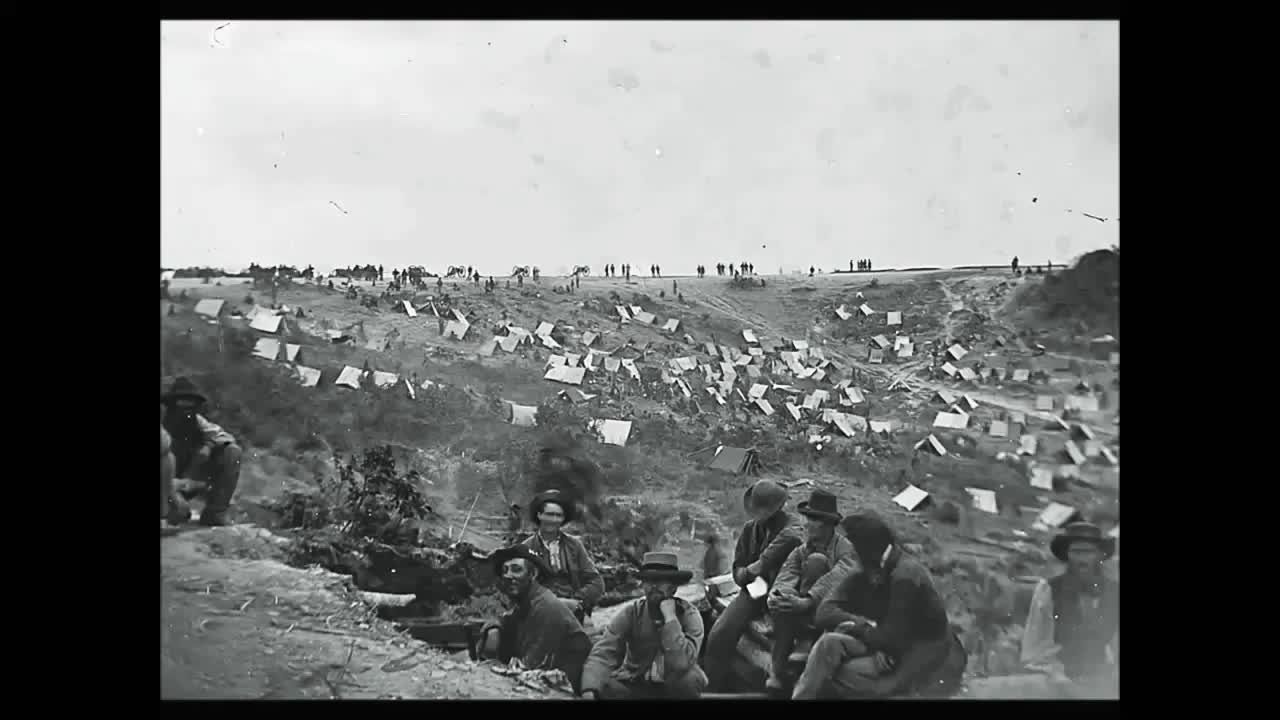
678	577
804	509
570	510
502	555
1059	545
172	397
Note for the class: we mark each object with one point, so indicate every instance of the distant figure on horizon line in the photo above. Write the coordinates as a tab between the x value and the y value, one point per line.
1015	263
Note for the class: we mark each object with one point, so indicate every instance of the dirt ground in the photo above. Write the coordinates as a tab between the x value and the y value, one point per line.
237	622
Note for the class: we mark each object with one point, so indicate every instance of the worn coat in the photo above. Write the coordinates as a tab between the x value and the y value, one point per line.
911	625
187	442
633	640
769	542
1072	631
838	550
544	634
579	579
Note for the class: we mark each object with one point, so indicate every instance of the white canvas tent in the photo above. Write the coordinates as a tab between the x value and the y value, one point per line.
911	498
310	377
210	307
349	378
524	415
566	375
613	432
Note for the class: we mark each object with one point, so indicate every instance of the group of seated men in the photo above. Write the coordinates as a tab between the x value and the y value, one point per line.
852	615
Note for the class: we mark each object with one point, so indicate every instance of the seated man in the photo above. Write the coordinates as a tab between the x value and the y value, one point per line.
766	541
168	499
888	626
572	575
1073	628
650	649
540	630
203	453
807	576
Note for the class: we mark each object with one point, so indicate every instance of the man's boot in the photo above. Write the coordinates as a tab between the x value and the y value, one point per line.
179	511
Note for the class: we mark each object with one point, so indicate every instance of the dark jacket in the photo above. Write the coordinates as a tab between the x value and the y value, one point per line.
579	578
769	542
911	626
543	634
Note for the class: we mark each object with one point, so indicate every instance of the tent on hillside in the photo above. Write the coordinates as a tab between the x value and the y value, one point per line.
739	461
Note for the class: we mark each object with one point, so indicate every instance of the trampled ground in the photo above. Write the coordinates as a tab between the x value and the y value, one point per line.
215	646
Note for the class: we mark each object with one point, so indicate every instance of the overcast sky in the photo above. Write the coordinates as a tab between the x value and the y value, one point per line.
556	143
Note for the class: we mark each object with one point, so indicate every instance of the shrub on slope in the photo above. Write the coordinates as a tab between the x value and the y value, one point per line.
1086	295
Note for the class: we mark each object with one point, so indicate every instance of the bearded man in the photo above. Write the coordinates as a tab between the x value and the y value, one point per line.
203	453
539	630
650	648
1073	628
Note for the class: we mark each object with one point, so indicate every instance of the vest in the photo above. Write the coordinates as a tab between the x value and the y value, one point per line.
1083	634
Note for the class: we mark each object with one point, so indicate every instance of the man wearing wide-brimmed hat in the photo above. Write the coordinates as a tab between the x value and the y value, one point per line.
807	576
204	454
540	630
1073	627
572	575
650	648
887	632
765	542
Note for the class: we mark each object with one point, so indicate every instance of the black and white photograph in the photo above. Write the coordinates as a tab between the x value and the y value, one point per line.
600	360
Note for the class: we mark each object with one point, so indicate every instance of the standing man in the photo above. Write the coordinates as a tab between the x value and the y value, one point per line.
203	453
539	631
515	523
766	541
1073	628
807	576
1015	263
713	558
650	649
887	629
571	574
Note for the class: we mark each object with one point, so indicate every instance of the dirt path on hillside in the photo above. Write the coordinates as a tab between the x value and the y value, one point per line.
236	623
